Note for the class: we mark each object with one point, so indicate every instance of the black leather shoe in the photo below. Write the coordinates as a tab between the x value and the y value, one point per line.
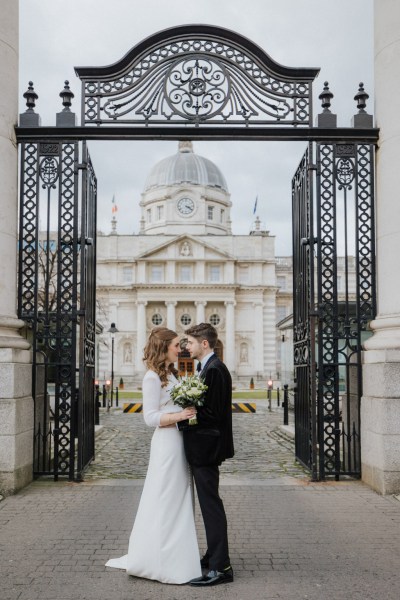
213	578
205	561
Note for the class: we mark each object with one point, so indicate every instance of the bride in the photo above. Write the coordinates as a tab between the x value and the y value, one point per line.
163	543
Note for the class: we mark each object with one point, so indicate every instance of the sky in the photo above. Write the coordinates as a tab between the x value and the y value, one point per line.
336	36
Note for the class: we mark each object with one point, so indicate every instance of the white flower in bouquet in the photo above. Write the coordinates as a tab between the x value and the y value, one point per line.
189	391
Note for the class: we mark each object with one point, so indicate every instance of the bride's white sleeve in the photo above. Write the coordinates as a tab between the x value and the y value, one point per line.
151	401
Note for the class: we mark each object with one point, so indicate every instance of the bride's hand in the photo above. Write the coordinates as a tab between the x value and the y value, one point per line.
188	413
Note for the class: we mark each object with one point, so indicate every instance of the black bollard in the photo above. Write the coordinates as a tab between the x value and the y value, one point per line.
104	396
285	404
278	397
97	403
116	396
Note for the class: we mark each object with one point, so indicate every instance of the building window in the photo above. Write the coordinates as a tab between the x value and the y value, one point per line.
186	320
222	215
281	282
157	319
215	273
244	275
148	215
215	320
156	273
160	213
280	313
185	273
210	213
127	274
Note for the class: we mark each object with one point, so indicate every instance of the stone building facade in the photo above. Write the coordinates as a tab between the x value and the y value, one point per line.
185	267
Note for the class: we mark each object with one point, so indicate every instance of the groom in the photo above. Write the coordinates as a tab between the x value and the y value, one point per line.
206	446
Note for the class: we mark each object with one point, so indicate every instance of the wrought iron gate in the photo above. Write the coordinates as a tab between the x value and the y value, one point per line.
57	258
207	83
331	319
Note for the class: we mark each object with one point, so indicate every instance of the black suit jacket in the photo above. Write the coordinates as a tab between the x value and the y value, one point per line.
211	441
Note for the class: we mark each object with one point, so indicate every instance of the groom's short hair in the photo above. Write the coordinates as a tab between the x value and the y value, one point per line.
204	331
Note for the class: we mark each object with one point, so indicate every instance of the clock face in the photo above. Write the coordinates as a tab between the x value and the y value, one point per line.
185	206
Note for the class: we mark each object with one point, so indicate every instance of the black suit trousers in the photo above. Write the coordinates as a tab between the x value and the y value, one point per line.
207	482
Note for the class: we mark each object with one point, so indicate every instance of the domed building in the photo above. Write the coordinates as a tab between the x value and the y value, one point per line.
185	267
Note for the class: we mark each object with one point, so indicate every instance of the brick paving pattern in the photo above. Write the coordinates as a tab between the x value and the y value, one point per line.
290	539
123	446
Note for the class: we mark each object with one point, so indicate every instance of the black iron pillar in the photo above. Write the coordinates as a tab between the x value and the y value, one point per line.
112	330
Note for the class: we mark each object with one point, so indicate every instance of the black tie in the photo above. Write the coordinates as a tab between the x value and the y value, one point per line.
198	368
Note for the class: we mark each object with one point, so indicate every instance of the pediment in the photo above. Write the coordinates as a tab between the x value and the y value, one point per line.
185	247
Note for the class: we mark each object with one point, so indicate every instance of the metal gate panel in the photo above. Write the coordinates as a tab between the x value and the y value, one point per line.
345	232
87	313
48	300
303	311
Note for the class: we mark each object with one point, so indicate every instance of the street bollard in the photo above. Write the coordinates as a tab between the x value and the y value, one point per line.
116	396
104	396
270	395
97	404
285	404
278	397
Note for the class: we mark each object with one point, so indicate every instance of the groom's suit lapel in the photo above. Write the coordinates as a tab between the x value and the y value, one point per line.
208	364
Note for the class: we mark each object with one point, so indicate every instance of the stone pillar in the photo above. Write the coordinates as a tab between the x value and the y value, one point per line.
230	348
16	405
141	335
380	405
171	322
258	337
200	311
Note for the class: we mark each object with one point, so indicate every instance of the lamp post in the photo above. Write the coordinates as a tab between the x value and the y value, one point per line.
112	330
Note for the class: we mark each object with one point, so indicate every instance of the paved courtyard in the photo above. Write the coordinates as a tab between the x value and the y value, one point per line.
123	446
290	539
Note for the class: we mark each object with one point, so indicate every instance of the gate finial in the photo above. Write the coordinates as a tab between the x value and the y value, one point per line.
66	118
326	97
326	118
362	118
66	96
29	118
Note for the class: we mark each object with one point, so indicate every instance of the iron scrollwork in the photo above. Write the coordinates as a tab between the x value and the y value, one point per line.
201	79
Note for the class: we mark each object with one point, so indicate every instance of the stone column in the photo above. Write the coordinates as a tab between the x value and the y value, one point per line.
140	335
230	348
380	406
200	311
171	322
16	405
258	337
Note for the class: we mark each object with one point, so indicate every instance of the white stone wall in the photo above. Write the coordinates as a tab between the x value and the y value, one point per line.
16	405
380	406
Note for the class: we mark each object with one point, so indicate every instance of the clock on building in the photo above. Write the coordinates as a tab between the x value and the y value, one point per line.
185	206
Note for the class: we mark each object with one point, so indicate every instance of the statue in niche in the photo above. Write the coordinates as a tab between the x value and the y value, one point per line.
186	250
127	353
244	353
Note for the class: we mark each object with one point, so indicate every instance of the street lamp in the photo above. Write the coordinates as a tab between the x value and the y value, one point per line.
112	330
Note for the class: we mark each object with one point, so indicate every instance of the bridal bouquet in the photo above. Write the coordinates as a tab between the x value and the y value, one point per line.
189	391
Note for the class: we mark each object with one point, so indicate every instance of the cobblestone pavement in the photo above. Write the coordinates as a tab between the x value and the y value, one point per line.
123	445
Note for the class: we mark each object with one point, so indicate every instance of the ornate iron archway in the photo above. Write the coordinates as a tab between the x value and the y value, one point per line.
188	82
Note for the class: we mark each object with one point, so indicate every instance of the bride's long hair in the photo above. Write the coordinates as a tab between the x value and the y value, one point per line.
156	350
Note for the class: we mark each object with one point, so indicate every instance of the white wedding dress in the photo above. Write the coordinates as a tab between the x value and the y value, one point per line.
163	542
